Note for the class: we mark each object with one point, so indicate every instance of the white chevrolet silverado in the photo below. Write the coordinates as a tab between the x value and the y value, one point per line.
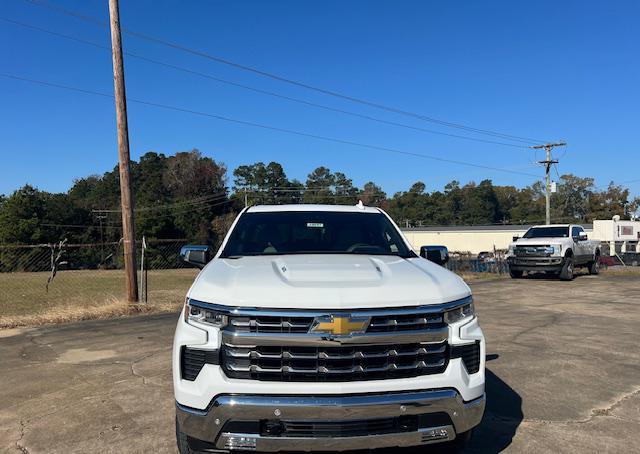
554	249
317	328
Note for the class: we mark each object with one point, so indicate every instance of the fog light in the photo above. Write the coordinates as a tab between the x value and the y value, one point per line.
439	433
233	442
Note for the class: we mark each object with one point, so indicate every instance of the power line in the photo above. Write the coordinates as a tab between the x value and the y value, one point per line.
193	202
187	209
271	128
258	90
283	79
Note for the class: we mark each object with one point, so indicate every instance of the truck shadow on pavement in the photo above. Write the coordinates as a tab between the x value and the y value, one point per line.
502	416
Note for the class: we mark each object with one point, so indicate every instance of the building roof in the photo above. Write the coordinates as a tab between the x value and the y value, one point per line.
467	228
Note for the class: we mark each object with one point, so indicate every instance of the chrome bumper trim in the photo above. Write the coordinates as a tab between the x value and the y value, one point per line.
207	425
275	444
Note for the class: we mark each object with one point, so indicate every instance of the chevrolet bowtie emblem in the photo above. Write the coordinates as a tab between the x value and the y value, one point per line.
340	325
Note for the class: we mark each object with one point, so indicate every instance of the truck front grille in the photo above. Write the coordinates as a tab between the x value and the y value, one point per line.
295	325
357	428
533	251
340	363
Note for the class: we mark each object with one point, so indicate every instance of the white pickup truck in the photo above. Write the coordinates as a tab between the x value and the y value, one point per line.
317	328
554	249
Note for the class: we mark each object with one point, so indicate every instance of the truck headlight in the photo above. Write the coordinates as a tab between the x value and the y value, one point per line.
557	249
461	312
195	312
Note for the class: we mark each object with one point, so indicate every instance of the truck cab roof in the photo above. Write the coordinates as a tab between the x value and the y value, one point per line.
359	208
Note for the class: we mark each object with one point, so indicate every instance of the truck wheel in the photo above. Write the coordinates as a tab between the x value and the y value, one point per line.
515	274
594	267
567	269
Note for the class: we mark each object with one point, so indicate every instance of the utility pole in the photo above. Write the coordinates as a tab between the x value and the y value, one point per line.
548	162
126	197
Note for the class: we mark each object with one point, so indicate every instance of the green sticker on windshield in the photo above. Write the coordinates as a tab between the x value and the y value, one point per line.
315	225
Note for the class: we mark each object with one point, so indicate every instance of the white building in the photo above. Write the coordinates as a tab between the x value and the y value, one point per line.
472	239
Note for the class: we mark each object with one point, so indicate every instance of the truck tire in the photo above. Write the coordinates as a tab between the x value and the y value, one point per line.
567	269
594	266
515	274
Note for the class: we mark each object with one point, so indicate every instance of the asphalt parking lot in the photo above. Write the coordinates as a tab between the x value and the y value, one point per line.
563	375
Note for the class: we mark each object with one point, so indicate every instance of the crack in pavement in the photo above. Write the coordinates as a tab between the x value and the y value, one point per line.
554	319
19	444
595	413
133	364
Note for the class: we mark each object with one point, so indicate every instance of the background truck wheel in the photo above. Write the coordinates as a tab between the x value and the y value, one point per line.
567	270
594	267
515	274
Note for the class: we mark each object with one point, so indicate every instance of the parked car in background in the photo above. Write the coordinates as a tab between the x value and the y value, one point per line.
554	249
317	328
486	257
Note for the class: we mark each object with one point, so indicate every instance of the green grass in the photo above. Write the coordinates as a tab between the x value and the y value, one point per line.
75	295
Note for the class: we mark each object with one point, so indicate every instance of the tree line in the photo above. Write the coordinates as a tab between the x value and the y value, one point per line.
189	196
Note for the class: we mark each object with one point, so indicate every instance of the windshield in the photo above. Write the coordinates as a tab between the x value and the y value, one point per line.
314	232
547	232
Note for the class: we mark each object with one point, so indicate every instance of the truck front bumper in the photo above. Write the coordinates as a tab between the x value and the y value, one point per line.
331	423
535	263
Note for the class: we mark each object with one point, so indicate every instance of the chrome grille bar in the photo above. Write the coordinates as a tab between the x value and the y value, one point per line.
326	370
433	336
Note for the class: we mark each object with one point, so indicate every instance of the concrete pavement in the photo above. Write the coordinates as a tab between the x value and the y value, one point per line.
563	375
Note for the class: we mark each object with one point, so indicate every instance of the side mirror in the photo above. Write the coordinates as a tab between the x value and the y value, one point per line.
195	255
435	254
582	236
515	238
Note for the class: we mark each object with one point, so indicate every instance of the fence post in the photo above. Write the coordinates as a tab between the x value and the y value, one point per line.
143	271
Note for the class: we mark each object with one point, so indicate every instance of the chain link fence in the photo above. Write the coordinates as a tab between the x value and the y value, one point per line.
465	262
64	278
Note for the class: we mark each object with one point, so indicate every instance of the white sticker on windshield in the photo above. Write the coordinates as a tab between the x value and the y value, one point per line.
315	225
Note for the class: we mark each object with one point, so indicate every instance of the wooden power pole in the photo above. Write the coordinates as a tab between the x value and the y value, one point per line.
126	196
548	162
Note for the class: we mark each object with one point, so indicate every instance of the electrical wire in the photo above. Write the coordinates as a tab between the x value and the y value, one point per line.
193	202
202	54
258	90
271	128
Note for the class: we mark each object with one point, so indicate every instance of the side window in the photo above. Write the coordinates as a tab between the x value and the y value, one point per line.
575	231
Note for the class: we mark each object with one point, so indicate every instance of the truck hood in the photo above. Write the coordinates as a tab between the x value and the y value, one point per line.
326	282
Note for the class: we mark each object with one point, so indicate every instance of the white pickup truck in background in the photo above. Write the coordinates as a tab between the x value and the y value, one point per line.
554	249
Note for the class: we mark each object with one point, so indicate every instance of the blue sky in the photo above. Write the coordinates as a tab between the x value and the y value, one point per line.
547	69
